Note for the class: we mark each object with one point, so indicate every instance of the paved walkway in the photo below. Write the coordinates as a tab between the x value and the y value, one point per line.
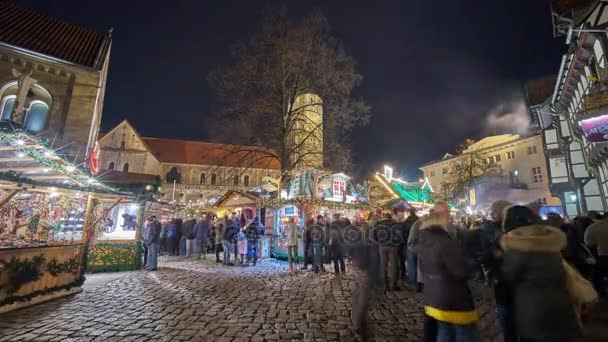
203	301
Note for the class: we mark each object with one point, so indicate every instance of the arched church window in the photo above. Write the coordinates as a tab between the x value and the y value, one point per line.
246	180
36	105
213	179
7	106
236	180
35	120
111	166
125	168
174	175
203	178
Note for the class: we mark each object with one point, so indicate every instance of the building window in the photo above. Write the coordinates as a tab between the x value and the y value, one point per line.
123	144
531	149
536	175
111	166
7	107
35	119
338	188
36	105
213	179
246	180
203	178
510	154
432	173
497	158
444	170
125	168
174	175
236	180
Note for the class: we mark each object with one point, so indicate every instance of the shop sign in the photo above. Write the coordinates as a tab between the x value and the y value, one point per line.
596	129
596	100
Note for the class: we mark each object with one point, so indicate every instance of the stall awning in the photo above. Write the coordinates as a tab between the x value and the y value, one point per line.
26	158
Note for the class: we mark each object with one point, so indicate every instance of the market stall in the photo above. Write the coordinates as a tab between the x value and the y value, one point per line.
306	194
51	211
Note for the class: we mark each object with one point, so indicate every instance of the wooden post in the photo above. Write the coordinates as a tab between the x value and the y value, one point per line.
88	217
9	197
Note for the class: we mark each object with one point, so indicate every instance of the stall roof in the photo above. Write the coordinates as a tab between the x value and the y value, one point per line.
234	197
25	158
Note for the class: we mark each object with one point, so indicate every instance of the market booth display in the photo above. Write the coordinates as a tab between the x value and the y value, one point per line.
247	206
50	212
306	194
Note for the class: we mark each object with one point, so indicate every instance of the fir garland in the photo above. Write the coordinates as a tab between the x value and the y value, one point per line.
22	271
55	268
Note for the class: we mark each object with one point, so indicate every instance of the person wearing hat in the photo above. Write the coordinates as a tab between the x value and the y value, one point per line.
542	303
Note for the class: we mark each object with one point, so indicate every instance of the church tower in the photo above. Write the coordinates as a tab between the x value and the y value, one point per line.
307	132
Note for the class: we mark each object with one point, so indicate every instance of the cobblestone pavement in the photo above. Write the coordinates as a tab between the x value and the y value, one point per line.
203	301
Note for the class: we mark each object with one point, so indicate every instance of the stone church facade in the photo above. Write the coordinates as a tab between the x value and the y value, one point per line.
191	171
52	79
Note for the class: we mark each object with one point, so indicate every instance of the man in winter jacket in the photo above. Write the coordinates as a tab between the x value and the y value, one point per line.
254	230
152	240
388	239
188	234
404	227
219	238
229	236
201	234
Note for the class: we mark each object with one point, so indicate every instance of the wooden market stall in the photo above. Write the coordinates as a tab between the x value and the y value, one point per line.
246	206
51	211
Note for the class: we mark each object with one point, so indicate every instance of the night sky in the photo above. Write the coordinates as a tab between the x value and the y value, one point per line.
432	70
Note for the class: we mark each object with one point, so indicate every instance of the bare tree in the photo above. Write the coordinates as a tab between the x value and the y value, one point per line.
289	91
466	171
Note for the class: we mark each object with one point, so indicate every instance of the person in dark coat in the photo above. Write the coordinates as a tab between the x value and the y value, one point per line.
253	232
201	234
308	254
446	271
316	234
152	240
336	245
404	228
388	239
532	269
188	235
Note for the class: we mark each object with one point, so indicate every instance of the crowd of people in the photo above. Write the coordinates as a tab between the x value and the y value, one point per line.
546	274
193	238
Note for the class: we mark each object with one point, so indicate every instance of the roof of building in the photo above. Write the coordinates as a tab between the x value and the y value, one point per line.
485	144
40	33
540	89
204	153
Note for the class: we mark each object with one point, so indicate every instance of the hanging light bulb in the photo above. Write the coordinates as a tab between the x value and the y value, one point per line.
70	168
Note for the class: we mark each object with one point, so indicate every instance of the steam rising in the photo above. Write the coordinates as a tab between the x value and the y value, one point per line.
511	117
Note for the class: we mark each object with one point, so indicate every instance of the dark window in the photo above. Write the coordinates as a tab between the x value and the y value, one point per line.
123	144
236	180
432	173
111	166
444	170
537	175
497	158
173	175
125	168
246	180
213	178
203	178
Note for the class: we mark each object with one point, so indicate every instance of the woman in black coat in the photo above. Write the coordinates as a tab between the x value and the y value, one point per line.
532	269
446	270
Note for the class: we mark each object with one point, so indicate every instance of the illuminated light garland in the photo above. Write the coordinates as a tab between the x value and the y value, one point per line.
42	153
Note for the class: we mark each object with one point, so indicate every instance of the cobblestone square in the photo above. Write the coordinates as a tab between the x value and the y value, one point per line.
204	301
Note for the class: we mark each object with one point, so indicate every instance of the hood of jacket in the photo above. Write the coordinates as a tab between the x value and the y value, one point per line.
534	238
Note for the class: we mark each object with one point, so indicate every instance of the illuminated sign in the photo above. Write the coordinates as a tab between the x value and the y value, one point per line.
595	129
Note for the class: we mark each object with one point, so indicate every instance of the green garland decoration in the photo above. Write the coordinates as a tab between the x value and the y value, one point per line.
14	299
12	135
22	271
55	268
